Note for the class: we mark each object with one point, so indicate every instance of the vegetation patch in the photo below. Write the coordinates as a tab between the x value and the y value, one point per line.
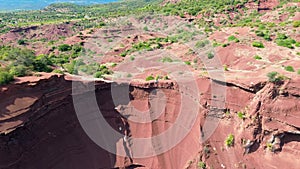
264	34
202	44
187	62
149	78
285	41
166	59
289	69
241	115
257	57
210	55
201	165
64	47
5	77
258	44
229	141
296	24
233	38
225	67
275	77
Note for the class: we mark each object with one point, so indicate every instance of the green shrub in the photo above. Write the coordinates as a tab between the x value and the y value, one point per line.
225	67
41	62
296	24
202	43
5	77
19	70
166	59
129	75
101	71
98	75
71	67
114	64
270	146
210	55
241	115
233	38
257	57
149	78
132	58
76	50
258	44
225	45
289	69
275	77
298	72
21	42
123	54
272	76
281	36
229	142
64	47
146	28
285	41
215	44
187	62
201	165
58	71
264	34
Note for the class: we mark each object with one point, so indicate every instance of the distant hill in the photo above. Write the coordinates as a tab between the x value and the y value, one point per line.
39	4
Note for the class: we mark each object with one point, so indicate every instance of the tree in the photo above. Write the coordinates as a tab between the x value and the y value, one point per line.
64	47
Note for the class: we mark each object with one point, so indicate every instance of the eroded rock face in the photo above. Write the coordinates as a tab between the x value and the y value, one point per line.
40	128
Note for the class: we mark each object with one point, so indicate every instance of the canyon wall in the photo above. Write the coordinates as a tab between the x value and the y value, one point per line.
40	128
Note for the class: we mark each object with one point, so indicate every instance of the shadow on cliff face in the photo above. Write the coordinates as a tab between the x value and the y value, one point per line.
290	137
53	138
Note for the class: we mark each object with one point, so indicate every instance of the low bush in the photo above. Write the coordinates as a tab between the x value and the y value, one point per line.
296	24
18	70
57	71
275	77
64	47
5	77
229	142
71	67
264	34
285	41
166	59
149	78
225	67
21	42
241	115
233	38
201	165
289	69
187	62
202	43
257	57
123	54
210	55
258	44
